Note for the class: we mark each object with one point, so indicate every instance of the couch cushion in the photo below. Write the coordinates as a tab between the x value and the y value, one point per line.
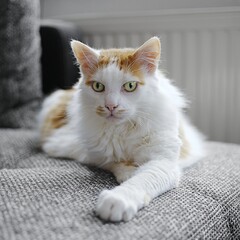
20	83
47	198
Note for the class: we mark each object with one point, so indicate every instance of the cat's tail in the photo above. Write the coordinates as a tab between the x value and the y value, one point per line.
193	144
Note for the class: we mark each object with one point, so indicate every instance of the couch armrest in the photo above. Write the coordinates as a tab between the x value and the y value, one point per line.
58	69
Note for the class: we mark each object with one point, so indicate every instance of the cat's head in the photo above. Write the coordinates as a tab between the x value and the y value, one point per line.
114	80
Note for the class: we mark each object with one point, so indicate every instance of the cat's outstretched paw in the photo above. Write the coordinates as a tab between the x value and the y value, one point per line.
118	205
114	207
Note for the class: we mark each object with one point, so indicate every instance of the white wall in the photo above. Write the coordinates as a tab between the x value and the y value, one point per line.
61	8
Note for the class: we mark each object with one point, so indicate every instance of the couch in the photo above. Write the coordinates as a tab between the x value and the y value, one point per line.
54	199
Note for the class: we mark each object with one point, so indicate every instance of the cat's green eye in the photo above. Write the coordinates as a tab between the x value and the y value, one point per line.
98	87
130	86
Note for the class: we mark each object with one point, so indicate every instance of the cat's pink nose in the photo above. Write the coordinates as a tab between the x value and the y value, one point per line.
111	107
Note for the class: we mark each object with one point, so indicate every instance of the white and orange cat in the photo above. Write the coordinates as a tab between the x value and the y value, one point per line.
126	117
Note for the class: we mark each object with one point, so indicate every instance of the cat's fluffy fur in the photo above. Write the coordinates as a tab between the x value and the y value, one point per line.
142	136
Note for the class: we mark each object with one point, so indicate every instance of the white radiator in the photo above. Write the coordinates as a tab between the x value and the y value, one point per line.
200	51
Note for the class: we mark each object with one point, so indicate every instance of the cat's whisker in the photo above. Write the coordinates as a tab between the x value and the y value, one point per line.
143	112
131	122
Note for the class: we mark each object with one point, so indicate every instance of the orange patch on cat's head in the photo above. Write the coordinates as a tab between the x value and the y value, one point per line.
123	59
135	61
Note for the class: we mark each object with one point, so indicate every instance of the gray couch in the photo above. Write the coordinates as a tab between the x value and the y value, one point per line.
47	198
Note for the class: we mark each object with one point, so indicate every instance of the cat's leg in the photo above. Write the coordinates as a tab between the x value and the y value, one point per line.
149	181
122	170
63	144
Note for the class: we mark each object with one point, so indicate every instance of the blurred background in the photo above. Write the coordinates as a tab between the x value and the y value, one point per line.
200	48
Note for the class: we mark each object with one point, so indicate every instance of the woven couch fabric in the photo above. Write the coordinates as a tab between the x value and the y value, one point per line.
20	80
47	198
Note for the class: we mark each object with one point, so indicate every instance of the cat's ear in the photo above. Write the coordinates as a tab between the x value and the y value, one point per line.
148	55
86	57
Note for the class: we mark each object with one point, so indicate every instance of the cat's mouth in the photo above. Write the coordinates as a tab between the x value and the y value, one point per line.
112	117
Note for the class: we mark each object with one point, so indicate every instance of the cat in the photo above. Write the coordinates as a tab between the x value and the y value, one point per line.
126	117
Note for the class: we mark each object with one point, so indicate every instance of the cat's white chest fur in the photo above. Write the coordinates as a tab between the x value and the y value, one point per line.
113	144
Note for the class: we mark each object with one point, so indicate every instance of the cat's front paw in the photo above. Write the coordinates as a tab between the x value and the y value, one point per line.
118	204
50	149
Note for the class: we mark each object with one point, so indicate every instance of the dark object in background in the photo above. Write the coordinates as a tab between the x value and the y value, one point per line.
58	68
